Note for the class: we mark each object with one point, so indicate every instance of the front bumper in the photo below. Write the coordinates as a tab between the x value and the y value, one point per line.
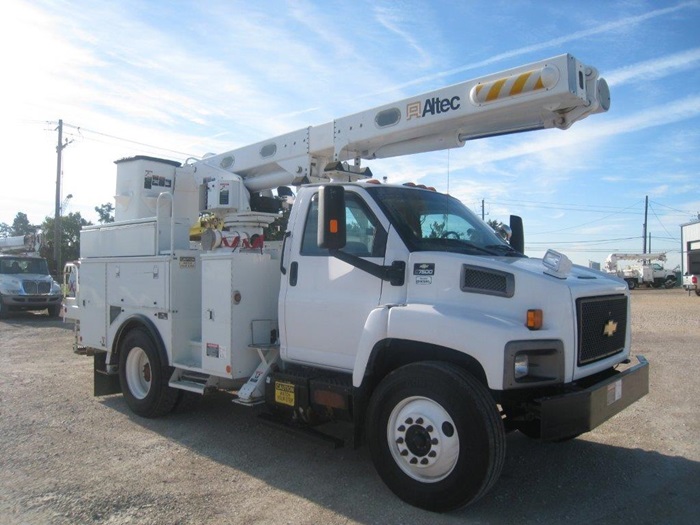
566	415
30	302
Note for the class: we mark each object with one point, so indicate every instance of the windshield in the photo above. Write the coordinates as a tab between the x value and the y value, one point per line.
431	221
23	265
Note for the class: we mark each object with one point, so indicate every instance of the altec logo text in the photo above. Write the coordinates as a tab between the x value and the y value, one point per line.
431	106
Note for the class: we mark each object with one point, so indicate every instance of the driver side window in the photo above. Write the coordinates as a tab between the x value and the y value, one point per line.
365	236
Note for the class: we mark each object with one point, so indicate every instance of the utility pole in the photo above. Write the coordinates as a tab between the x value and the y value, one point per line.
57	232
644	236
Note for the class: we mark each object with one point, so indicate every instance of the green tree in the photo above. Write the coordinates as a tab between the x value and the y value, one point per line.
21	225
70	240
106	213
5	229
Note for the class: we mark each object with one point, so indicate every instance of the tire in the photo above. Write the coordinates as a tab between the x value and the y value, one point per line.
3	309
697	292
143	377
435	436
55	311
631	284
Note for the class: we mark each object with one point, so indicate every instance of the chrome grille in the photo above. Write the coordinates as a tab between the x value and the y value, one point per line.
36	287
602	326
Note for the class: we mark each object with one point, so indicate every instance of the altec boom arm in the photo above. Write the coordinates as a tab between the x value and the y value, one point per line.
552	93
30	243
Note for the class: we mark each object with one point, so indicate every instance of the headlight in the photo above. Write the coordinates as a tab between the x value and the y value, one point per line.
11	287
536	362
520	366
55	288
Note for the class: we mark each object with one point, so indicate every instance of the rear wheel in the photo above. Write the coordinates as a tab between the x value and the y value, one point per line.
435	436
143	377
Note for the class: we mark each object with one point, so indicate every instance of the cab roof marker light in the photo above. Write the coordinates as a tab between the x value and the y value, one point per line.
514	85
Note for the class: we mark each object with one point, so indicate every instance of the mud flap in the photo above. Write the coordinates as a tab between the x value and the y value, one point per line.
105	383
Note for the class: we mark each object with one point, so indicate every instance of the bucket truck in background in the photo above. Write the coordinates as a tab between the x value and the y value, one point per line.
393	308
690	241
25	282
645	272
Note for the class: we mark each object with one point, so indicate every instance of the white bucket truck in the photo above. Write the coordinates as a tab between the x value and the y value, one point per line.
644	272
392	307
25	281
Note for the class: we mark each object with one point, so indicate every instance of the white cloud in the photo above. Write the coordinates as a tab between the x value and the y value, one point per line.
654	69
557	43
395	21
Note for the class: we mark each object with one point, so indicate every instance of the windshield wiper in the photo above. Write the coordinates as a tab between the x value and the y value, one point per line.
505	250
456	245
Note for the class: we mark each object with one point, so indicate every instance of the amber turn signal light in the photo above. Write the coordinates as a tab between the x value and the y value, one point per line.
534	319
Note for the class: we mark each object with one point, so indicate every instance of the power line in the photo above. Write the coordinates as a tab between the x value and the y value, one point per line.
80	129
584	224
597	241
674	209
567	206
586	208
662	225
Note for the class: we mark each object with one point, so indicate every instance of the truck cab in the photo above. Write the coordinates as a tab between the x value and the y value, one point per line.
25	284
463	288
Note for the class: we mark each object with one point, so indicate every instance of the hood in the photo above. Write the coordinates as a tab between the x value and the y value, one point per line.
575	277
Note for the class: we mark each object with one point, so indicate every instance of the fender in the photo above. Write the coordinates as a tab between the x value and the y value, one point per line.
139	320
105	364
458	330
476	334
375	330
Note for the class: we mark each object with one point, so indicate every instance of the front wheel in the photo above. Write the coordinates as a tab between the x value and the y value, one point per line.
435	436
143	377
55	310
631	284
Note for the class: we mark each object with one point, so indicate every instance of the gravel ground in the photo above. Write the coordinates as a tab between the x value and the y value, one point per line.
67	457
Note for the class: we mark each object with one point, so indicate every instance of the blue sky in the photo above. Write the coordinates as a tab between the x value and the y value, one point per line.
182	78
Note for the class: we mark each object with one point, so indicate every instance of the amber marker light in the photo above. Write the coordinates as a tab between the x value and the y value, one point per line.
534	319
333	226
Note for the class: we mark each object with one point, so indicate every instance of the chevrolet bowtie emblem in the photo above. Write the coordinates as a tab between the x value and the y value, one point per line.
610	328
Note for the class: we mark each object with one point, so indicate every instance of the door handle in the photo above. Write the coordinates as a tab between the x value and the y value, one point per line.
293	273
284	245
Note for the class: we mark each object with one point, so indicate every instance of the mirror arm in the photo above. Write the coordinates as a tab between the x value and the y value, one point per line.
395	273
